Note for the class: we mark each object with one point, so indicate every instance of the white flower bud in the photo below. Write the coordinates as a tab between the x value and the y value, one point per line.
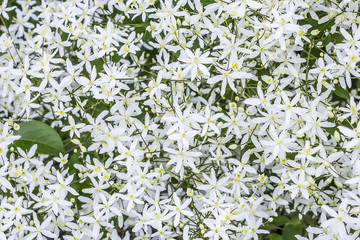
337	136
310	180
338	184
82	148
300	134
196	171
329	180
353	92
233	146
355	211
285	176
187	18
288	43
330	114
315	32
75	141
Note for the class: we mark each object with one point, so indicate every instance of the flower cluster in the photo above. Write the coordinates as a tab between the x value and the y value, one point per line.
186	119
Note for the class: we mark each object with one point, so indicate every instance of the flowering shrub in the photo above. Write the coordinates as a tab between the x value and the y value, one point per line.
187	119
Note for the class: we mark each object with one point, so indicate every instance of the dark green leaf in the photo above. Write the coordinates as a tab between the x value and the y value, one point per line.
280	220
80	186
327	25
290	230
337	38
327	40
331	130
99	64
274	236
312	22
35	132
340	92
334	38
174	180
177	54
74	159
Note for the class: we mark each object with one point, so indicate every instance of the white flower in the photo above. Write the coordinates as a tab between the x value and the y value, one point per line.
40	229
279	144
73	127
195	62
338	220
4	9
179	208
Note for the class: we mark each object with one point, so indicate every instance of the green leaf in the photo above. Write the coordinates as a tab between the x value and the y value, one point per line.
274	236
280	220
290	230
99	64
340	92
177	54
334	38
327	40
337	38
74	159
327	25
330	130
312	22
35	132
174	180
277	223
